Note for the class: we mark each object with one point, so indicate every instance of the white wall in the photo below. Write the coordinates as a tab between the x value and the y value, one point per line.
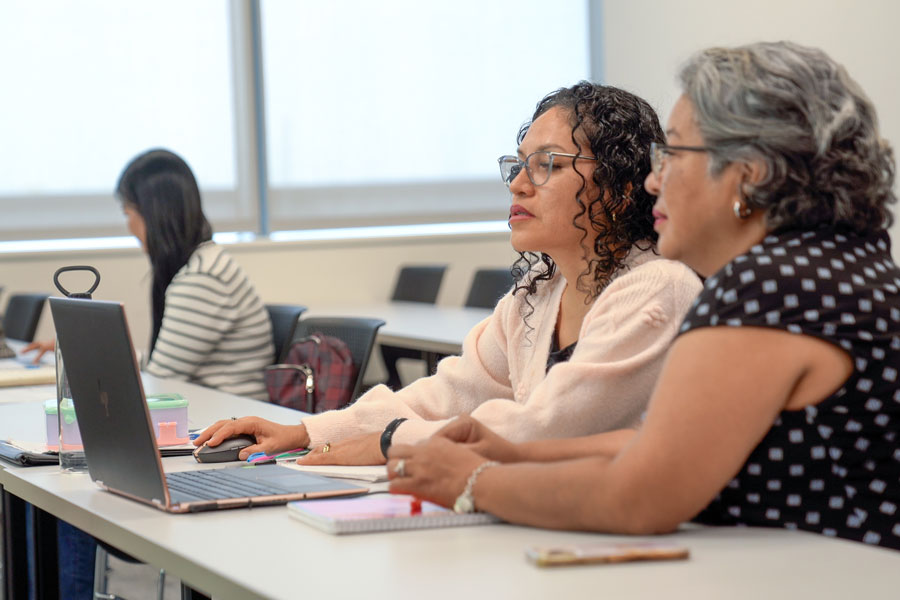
310	273
647	40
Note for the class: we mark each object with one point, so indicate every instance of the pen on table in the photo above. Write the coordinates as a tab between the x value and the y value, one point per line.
262	458
415	506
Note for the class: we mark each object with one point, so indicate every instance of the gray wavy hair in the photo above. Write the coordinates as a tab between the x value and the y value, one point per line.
800	114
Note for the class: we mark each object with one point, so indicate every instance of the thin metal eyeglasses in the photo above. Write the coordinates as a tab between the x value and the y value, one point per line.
538	166
658	153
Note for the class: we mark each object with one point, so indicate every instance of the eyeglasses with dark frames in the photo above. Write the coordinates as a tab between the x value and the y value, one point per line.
538	166
659	152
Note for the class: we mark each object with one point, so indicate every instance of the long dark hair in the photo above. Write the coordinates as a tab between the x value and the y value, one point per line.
160	185
619	128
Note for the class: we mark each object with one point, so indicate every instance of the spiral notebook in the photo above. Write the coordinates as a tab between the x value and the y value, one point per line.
380	512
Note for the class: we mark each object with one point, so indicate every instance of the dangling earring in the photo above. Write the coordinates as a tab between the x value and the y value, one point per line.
740	211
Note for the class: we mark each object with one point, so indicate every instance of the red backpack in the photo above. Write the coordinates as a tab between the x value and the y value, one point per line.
318	375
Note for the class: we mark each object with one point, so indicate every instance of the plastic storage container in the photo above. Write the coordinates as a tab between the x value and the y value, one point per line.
168	413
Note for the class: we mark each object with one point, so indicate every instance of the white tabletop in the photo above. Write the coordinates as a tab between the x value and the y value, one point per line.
262	552
426	327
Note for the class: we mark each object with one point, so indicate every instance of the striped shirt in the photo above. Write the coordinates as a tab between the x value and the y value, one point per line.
215	330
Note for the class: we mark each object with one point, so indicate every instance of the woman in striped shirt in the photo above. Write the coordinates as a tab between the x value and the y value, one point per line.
209	325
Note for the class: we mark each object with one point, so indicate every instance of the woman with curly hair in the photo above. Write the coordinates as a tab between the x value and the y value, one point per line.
576	346
779	404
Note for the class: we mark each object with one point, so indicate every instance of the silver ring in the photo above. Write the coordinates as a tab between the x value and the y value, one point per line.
234	418
400	468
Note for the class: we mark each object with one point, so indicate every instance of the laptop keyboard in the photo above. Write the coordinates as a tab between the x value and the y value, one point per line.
216	484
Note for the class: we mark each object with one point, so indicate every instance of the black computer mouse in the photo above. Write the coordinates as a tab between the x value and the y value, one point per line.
227	451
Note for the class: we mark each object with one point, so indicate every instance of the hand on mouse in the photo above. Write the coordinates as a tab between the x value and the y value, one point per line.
362	449
271	438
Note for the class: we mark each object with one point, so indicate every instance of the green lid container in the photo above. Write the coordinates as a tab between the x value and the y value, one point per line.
162	401
67	408
155	402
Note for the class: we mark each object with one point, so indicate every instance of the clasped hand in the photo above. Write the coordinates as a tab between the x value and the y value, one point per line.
437	469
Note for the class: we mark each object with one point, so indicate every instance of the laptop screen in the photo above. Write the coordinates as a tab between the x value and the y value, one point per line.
110	408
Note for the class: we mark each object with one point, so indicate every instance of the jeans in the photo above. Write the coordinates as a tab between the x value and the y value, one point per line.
76	563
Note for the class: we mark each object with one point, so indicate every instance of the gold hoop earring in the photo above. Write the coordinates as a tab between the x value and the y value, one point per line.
740	211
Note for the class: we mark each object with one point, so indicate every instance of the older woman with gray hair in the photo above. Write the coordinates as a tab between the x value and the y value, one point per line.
779	404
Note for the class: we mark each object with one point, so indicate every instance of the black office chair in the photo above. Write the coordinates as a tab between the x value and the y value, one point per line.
414	284
284	322
23	311
419	283
358	333
488	286
5	350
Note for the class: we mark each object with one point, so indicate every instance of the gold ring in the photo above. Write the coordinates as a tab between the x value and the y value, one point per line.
326	447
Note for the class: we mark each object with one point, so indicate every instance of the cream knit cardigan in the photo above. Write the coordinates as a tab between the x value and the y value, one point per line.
501	378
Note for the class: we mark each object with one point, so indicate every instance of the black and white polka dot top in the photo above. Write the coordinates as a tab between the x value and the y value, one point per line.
832	468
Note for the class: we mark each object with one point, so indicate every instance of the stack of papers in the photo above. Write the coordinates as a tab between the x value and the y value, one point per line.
14	373
19	370
371	474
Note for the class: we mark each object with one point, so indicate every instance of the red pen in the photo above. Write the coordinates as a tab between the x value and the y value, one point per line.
415	506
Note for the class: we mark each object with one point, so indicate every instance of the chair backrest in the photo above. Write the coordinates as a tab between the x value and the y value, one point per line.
284	321
419	283
22	314
488	286
358	333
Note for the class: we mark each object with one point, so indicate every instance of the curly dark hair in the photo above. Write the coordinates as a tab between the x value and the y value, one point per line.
619	128
798	112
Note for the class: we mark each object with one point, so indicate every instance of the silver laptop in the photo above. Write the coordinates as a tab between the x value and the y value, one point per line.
119	441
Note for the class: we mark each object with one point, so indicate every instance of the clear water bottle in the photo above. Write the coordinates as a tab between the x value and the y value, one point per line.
71	451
